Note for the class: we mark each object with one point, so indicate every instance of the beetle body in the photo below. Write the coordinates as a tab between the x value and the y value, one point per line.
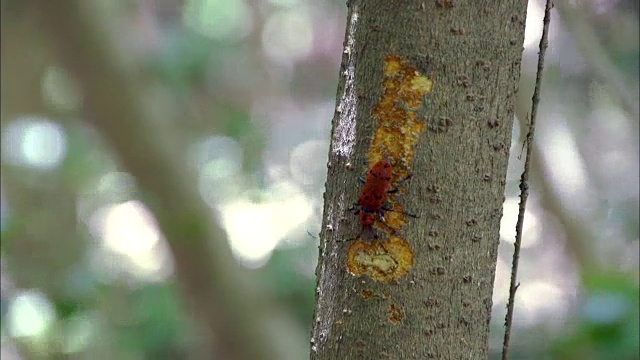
373	197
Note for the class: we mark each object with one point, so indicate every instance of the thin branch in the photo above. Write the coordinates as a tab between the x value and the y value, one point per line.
524	180
578	234
141	131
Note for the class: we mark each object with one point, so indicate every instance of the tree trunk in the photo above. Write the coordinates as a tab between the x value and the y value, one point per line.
431	85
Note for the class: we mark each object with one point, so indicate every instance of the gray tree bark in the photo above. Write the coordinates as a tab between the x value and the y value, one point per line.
431	85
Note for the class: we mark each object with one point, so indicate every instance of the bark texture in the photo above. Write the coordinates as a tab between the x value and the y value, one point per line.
432	85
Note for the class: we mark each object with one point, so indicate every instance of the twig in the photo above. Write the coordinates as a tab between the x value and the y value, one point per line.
524	180
578	233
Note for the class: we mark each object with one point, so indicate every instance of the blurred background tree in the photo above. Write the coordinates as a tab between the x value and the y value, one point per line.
87	273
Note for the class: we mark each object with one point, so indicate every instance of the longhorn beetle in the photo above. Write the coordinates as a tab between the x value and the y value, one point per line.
371	203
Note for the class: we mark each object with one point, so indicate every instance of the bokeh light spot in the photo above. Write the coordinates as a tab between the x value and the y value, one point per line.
31	314
129	230
255	229
219	19
287	36
35	142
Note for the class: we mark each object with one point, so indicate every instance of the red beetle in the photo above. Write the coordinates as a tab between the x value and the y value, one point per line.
373	197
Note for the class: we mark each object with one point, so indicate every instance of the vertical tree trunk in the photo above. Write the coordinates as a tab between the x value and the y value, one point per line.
432	85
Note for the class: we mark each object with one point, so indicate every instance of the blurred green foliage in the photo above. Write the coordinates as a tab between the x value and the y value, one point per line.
287	273
158	326
185	58
608	321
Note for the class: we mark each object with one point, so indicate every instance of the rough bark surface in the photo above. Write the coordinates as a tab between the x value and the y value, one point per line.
431	84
